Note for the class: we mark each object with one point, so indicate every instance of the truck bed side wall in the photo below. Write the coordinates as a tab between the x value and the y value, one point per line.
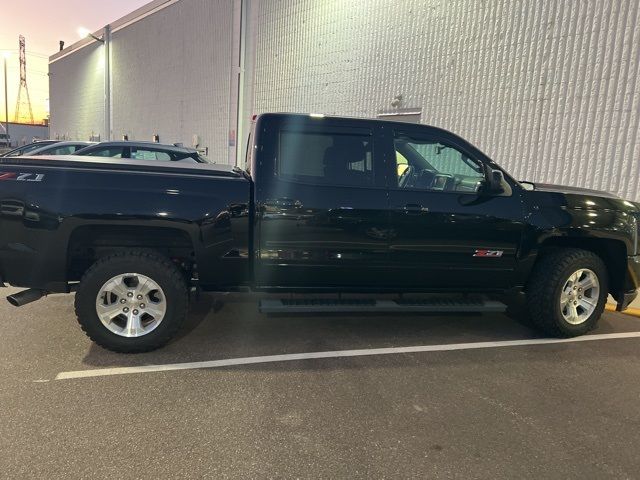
38	216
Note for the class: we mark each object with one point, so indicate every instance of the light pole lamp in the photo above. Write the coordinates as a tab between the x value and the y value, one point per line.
85	33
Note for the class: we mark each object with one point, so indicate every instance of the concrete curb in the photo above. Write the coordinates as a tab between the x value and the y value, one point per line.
634	312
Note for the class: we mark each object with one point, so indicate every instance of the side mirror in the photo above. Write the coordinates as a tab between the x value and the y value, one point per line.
495	182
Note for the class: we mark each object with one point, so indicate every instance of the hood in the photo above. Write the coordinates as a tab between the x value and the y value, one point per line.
548	187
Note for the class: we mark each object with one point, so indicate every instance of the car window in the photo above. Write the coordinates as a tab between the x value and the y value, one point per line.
27	149
326	158
144	154
63	150
436	166
113	152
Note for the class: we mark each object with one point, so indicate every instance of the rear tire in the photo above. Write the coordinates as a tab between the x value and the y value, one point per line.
147	284
558	301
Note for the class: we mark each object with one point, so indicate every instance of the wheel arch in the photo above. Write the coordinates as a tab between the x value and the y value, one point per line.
612	252
89	243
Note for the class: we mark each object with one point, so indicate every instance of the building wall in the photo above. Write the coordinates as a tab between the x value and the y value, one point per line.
171	75
76	91
22	133
548	88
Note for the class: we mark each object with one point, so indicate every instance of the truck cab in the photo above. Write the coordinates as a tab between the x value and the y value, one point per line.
352	204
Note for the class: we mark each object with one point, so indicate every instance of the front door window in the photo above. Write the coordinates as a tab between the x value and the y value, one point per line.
435	166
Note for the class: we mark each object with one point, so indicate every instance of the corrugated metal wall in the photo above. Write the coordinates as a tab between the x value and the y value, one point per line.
548	88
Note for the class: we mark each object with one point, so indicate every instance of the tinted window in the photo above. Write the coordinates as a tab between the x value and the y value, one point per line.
326	158
113	152
63	150
142	154
434	165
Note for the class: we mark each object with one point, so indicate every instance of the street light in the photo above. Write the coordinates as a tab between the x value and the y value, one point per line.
106	41
85	33
6	56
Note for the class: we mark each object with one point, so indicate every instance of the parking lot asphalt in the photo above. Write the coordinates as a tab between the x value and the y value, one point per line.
569	410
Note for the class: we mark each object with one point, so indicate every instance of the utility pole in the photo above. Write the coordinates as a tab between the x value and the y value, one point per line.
6	100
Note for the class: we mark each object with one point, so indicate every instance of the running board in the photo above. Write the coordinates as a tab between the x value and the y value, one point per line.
431	305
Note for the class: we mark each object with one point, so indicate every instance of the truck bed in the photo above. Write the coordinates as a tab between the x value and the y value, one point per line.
54	209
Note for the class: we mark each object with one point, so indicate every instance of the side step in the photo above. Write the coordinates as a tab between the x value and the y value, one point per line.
430	305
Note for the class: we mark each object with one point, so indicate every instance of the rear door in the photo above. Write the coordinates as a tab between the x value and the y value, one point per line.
321	204
446	233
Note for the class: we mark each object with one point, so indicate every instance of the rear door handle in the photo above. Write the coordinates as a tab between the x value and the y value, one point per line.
283	203
412	208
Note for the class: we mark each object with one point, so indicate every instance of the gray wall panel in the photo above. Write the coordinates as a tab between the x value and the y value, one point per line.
547	88
76	88
171	75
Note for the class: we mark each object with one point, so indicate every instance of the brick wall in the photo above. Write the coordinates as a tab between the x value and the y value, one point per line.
548	88
76	90
171	75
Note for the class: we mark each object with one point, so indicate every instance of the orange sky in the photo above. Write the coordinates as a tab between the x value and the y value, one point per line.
44	23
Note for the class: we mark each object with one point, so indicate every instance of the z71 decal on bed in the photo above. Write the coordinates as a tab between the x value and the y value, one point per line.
22	177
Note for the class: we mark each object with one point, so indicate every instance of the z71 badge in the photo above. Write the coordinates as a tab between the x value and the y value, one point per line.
22	177
488	253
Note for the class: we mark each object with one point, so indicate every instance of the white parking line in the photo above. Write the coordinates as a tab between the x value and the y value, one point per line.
103	372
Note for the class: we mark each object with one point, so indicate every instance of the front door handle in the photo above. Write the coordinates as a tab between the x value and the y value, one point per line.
413	208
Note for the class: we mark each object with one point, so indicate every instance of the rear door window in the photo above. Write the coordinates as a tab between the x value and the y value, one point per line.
326	158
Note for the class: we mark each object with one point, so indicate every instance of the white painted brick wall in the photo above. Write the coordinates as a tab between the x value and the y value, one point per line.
548	88
171	75
76	90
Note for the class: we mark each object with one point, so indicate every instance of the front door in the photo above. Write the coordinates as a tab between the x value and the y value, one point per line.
446	234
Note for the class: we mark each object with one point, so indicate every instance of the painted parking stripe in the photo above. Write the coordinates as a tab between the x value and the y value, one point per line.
103	372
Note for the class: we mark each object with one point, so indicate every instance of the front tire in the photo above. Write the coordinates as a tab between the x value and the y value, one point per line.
132	302
567	292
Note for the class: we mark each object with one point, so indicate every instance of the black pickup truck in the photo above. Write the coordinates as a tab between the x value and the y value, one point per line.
407	214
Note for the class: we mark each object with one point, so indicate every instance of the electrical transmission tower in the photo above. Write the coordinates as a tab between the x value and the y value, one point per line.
22	103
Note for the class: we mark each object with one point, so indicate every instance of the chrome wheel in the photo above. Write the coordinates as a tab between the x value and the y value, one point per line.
131	305
580	296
